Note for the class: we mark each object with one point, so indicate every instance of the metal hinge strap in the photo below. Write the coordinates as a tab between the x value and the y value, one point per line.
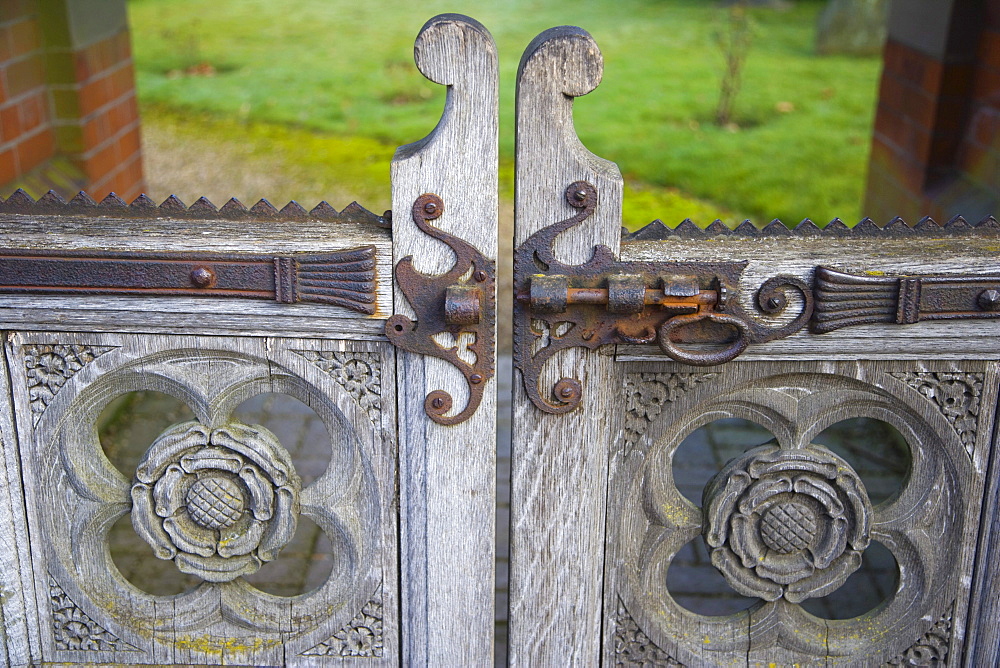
340	278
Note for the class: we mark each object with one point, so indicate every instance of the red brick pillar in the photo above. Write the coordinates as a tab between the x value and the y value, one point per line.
26	133
923	108
92	84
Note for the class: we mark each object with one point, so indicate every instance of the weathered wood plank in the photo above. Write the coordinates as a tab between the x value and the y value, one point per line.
559	462
19	642
447	473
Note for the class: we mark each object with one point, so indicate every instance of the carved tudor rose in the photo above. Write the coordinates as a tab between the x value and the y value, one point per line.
786	523
219	502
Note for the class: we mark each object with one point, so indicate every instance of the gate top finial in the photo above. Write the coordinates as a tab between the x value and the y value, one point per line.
560	64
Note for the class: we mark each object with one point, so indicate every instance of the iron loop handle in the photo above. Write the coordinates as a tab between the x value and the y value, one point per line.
709	358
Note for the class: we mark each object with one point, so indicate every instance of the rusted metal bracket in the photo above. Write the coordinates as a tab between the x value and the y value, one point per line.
340	278
844	300
692	310
459	301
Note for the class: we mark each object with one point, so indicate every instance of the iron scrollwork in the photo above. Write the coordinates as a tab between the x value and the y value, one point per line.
462	300
671	303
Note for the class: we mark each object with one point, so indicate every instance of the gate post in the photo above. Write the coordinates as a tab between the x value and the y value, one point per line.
448	473
560	462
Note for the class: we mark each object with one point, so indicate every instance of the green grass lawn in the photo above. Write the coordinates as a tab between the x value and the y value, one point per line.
345	68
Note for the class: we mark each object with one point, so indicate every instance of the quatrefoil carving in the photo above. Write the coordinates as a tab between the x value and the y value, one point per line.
219	502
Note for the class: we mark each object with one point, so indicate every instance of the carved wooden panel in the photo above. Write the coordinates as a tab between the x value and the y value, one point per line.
788	520
216	497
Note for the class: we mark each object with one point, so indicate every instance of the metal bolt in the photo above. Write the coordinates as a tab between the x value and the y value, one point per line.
580	195
437	402
566	392
480	276
430	208
989	300
775	302
475	379
202	277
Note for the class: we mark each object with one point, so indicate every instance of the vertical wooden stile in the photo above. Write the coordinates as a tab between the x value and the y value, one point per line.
447	473
559	462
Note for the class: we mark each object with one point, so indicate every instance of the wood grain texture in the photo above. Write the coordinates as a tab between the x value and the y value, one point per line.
74	494
559	462
983	626
447	473
192	315
19	641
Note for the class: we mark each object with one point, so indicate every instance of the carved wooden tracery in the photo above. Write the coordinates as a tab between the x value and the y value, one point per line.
789	520
218	497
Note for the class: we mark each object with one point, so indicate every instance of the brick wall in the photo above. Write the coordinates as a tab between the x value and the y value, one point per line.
26	133
935	146
82	95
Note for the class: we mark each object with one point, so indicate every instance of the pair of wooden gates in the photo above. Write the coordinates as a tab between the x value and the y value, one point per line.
388	334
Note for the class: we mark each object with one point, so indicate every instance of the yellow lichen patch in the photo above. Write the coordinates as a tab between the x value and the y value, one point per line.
222	644
874	272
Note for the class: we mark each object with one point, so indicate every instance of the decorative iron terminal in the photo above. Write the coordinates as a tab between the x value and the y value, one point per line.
844	300
461	300
604	301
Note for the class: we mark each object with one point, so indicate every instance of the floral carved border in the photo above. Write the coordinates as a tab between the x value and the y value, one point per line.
957	396
361	637
73	629
647	392
932	648
50	366
360	373
633	648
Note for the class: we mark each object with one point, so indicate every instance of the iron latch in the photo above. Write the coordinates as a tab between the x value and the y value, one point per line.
691	310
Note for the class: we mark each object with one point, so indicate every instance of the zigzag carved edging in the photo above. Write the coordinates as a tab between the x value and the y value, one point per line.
836	228
143	206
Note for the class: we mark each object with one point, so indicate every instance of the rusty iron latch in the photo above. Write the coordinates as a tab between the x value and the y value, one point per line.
691	310
462	300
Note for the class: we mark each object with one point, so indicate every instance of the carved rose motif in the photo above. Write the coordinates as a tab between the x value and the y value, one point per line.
786	523
219	502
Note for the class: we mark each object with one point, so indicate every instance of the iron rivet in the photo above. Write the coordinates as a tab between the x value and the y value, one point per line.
430	208
566	392
475	379
202	277
989	300
587	335
437	402
580	195
480	276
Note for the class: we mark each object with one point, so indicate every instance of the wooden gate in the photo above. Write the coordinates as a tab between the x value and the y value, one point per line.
891	329
384	326
217	306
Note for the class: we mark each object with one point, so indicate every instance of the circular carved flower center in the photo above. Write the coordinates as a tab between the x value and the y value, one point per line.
215	502
788	527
